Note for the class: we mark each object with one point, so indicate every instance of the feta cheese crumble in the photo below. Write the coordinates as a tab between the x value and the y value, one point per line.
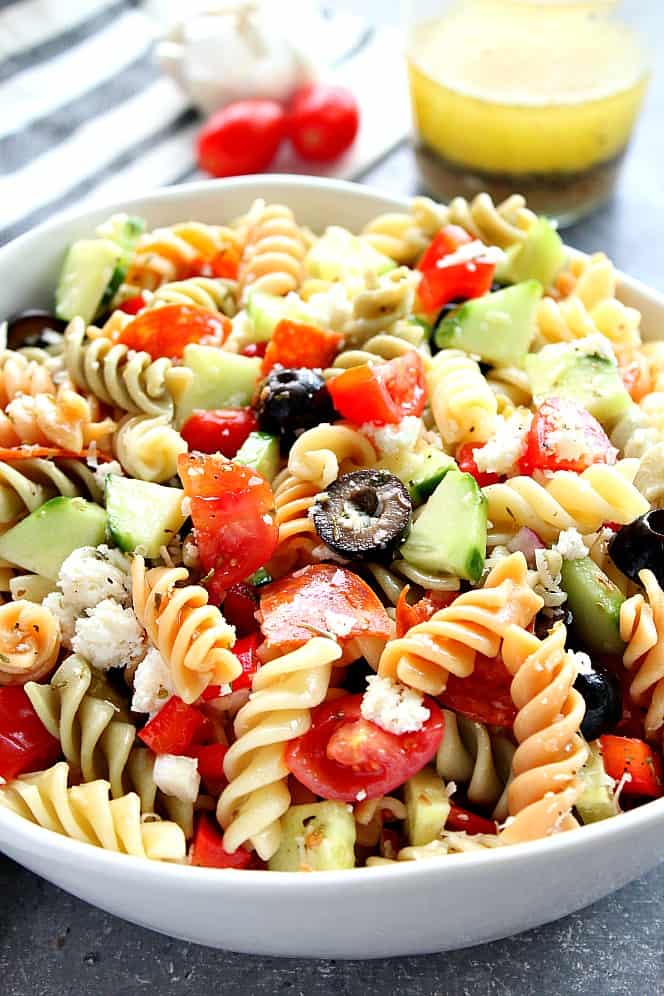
390	439
91	574
178	776
475	251
501	452
393	706
570	545
153	684
104	470
581	661
65	615
108	635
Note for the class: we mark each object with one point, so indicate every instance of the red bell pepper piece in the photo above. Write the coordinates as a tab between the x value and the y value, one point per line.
628	755
175	727
239	608
444	282
294	344
462	819
25	743
210	759
208	850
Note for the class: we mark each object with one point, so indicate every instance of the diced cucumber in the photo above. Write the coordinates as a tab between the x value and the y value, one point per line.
124	229
498	327
86	273
427	806
433	465
338	254
45	539
596	802
539	257
142	517
568	370
267	310
449	537
316	837
221	380
595	602
260	450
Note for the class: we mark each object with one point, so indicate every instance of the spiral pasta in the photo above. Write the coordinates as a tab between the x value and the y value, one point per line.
565	500
463	404
26	484
381	347
122	377
148	447
283	693
189	633
293	498
503	224
551	751
381	304
274	252
211	293
319	453
65	419
21	375
470	755
168	254
642	629
29	642
85	813
404	235
473	624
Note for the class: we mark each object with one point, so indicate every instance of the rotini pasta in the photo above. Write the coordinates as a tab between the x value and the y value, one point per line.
384	302
168	254
148	447
320	453
642	629
274	251
470	755
26	484
463	404
21	375
211	293
29	642
65	419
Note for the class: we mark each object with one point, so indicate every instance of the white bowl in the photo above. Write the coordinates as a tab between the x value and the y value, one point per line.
412	908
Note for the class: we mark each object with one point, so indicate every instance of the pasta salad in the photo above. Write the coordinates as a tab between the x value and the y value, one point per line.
326	550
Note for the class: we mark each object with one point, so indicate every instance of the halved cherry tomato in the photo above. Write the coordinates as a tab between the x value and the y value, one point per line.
382	393
627	755
318	600
557	422
175	727
465	459
323	121
441	282
232	508
239	608
343	755
242	137
219	430
208	849
484	695
255	349
164	332
294	344
411	615
463	819
25	743
210	759
132	305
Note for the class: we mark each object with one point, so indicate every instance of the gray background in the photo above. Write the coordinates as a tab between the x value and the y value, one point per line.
54	945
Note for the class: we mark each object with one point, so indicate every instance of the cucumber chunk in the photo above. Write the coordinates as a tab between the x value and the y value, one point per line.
540	257
41	542
569	370
596	802
260	450
449	537
142	517
267	310
425	478
221	380
338	254
427	807
125	229
498	327
594	601
86	273
316	837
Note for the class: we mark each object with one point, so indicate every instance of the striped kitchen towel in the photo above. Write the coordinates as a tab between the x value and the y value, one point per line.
86	114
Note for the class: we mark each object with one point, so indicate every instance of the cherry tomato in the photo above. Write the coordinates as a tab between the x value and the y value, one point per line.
382	393
232	508
627	755
164	332
315	601
484	695
25	743
132	305
343	755
175	727
219	430
463	819
556	422
210	759
466	461
441	282
239	608
323	121
242	137
411	615
208	849
296	345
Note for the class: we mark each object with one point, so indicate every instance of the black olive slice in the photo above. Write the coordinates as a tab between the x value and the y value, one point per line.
362	514
640	546
28	327
292	400
601	693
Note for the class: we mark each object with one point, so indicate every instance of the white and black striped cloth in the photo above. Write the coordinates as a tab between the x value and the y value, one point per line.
85	113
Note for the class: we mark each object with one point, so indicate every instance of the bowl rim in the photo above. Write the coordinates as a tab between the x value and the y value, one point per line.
68	850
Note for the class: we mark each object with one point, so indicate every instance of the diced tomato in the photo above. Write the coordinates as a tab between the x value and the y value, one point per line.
465	458
219	430
313	601
208	849
559	418
210	759
175	727
294	344
411	615
463	819
232	508
484	695
343	755
132	305
25	743
441	282
222	264
382	392
627	755
245	650
239	608
164	332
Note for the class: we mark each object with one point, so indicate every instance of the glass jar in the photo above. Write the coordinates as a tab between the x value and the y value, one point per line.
534	96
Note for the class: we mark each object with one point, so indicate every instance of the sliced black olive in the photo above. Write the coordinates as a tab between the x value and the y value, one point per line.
640	546
601	693
365	513
291	400
27	328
